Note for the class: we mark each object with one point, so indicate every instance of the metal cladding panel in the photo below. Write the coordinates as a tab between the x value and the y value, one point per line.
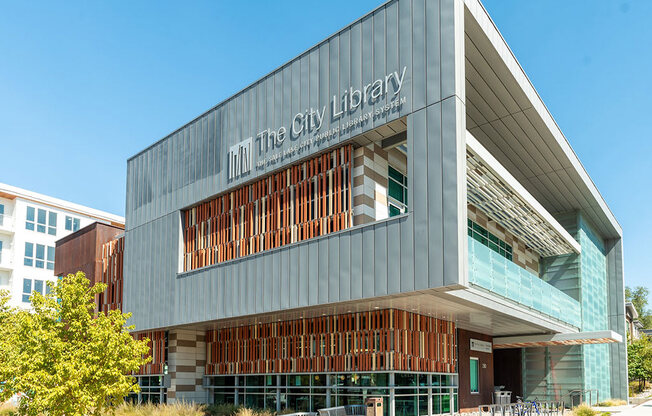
617	351
418	251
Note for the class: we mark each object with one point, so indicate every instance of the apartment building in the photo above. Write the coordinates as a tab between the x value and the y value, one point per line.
30	224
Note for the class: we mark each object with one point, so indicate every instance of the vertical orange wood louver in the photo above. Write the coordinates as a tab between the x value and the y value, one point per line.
303	201
382	340
156	351
111	299
112	267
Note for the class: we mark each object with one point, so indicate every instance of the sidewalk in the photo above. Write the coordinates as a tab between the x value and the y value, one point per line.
644	409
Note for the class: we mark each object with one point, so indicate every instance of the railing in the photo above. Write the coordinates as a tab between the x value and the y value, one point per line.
505	278
521	409
348	410
6	222
6	257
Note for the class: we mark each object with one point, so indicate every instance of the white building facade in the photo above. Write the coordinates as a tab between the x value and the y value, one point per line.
30	224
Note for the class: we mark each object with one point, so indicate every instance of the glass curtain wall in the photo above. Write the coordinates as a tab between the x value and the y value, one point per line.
413	392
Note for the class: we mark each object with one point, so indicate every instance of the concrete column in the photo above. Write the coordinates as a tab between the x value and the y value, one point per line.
187	361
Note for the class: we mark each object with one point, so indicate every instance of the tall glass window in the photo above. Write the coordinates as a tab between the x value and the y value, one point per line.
397	192
40	220
0	251
475	375
311	392
40	256
38	286
479	233
2	214
52	223
72	224
27	290
30	218
50	259
29	254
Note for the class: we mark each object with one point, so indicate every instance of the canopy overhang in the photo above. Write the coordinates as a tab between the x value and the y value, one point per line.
551	340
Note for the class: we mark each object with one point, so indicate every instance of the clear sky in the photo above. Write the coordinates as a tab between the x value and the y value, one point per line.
85	85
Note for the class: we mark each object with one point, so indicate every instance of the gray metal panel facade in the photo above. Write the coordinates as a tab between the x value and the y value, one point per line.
418	251
617	351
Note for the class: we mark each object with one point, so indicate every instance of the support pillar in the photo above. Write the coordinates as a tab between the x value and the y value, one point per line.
187	362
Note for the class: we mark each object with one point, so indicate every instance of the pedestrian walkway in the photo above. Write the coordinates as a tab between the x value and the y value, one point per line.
644	409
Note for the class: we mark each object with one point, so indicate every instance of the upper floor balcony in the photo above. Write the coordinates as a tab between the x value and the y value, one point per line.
6	259
6	224
493	264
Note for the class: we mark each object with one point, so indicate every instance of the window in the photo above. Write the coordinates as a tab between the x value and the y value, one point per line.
2	214
37	258
29	254
27	289
72	224
52	223
41	221
30	218
38	286
50	259
0	251
40	256
475	375
479	233
397	192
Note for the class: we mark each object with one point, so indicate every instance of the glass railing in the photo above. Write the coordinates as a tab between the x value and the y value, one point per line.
503	277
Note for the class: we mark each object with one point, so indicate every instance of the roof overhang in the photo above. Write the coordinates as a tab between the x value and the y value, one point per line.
507	115
629	307
499	195
551	340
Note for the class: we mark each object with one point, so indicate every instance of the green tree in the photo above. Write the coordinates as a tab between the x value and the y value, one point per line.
639	360
639	298
67	359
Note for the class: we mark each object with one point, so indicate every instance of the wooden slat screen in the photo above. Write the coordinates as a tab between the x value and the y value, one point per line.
303	201
156	351
365	341
112	267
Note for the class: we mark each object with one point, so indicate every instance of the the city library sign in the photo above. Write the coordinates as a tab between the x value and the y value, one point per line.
309	123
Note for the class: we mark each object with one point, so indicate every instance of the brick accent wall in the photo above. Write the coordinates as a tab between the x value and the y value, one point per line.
521	254
186	362
370	169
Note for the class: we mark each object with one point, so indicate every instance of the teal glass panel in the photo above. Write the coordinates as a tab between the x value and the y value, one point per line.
492	271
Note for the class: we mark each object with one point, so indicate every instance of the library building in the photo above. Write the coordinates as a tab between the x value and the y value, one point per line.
393	214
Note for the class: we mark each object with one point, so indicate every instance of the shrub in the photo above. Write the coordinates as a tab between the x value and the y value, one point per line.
148	409
221	409
8	409
243	411
584	410
612	403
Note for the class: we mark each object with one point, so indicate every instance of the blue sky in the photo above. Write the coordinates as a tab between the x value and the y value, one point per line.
85	85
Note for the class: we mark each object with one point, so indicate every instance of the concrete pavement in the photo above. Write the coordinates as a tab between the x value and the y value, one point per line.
644	409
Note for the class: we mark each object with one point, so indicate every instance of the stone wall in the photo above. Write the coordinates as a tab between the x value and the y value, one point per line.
186	362
370	176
